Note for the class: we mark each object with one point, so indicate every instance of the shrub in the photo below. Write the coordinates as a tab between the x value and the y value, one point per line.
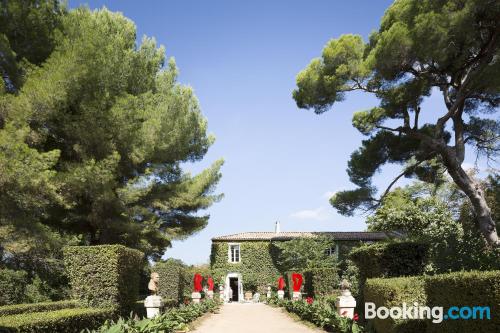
476	288
104	275
59	321
391	259
12	286
9	310
393	292
175	319
171	285
321	282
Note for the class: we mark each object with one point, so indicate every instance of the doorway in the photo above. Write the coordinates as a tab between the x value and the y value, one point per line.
233	284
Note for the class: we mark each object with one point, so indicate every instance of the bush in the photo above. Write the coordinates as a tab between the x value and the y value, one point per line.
172	282
476	288
104	275
393	292
12	286
320	282
391	259
9	310
176	319
59	321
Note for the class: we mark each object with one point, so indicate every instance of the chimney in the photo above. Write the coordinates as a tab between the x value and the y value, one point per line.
277	227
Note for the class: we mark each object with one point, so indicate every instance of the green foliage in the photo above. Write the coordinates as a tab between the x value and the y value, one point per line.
473	288
394	292
8	310
58	321
105	275
12	286
27	36
391	259
122	182
172	281
257	265
350	272
420	47
323	315
173	320
321	282
304	253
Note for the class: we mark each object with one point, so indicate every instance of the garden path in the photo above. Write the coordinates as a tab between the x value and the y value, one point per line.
252	318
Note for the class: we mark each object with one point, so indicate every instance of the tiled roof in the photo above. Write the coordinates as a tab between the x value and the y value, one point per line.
336	235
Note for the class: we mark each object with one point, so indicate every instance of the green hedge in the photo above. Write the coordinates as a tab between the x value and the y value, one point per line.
59	321
321	282
104	275
465	289
172	282
477	288
393	292
12	286
391	259
8	310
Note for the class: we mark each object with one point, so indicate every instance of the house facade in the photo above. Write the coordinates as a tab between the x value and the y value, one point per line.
247	261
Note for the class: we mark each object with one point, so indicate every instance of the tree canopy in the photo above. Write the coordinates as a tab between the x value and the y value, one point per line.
94	133
447	47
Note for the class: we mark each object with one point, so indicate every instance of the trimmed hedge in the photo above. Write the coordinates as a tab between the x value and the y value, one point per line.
393	292
321	282
59	321
477	288
172	284
391	259
104	275
9	310
12	286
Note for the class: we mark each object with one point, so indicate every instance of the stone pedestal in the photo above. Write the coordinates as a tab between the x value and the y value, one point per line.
210	294
297	295
345	304
196	297
268	295
281	294
153	305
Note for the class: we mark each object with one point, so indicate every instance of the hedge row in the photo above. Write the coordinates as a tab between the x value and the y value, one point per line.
391	259
9	310
105	275
172	284
12	286
477	288
59	321
321	282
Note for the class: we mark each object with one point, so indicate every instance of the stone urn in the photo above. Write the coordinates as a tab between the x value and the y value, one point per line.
248	296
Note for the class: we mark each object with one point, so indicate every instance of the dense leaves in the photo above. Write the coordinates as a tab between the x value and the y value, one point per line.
421	48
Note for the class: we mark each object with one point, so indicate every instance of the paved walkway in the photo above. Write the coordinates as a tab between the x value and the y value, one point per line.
251	318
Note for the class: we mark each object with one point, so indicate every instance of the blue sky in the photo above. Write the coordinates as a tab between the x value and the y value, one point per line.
241	58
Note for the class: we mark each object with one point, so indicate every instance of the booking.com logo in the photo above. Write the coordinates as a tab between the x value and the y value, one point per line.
436	313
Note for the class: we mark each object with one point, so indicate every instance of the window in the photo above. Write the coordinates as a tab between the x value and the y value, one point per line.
234	252
330	251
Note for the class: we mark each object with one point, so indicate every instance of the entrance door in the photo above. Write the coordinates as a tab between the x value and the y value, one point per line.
233	284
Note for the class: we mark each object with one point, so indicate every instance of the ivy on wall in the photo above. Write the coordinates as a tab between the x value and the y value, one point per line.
257	265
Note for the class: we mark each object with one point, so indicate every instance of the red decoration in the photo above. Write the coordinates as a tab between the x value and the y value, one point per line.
210	283
309	300
356	317
297	281
197	282
281	283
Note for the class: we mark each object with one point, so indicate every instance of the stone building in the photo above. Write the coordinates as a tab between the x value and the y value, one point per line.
245	260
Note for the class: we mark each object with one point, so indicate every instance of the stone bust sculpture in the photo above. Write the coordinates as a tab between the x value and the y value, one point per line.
153	283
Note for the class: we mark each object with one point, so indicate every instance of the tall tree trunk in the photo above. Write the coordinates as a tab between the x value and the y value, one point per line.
474	192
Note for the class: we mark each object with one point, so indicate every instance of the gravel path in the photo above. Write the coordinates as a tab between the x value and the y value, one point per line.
251	318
